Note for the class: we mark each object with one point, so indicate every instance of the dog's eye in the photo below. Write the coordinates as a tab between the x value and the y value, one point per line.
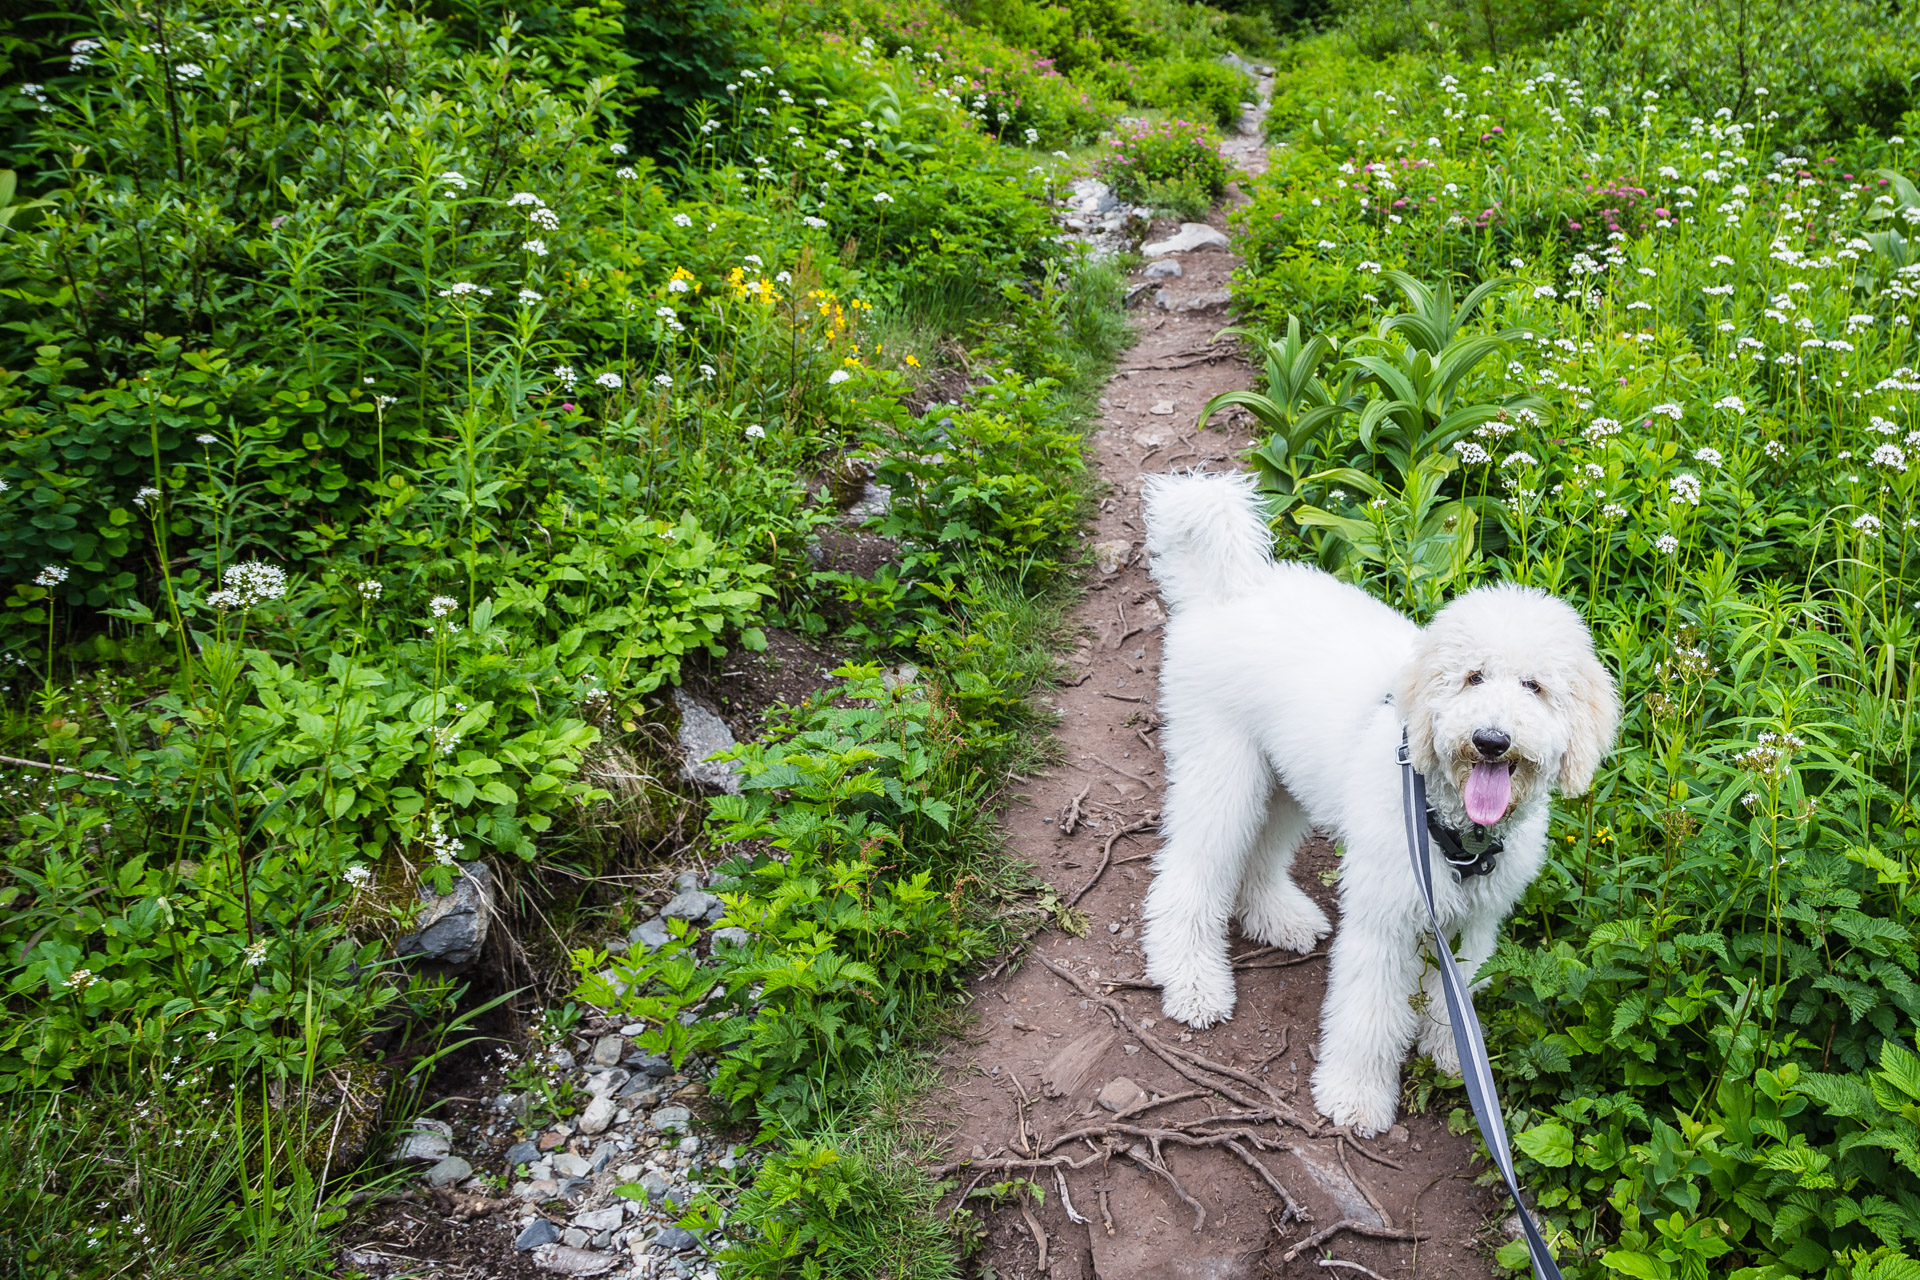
1531	686
1474	677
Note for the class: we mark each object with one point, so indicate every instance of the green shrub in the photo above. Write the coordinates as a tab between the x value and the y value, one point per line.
1210	89
851	810
1174	162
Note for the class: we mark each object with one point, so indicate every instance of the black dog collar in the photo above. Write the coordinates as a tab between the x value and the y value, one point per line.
1469	853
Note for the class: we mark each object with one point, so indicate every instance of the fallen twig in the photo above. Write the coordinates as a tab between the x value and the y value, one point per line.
1106	1218
1073	1214
1350	1266
1033	1225
1125	773
1147	1162
1153	1043
1121	697
1070	816
1340	1147
1106	854
1294	1210
1348	1224
61	768
1374	1156
1002	1164
1309	958
1168	1101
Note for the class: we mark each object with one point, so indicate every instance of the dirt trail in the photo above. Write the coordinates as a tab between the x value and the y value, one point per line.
1046	1053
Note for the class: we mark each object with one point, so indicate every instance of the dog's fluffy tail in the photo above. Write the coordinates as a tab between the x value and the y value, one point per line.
1206	536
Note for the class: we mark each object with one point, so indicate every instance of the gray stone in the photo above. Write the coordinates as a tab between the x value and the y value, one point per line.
537	1233
655	1186
703	733
1191	236
562	1059
449	929
1210	300
640	1092
656	1065
600	1219
568	1165
1109	557
426	1141
716	912
1121	1093
690	905
668	1118
1165	269
598	1115
573	1261
874	500
675	1239
606	1082
731	937
452	1169
650	934
602	1156
521	1153
688	881
606	1051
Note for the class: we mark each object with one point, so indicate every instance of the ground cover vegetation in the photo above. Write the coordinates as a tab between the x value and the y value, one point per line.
1626	310
394	404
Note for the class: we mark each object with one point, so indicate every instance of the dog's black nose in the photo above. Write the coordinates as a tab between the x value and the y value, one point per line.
1491	743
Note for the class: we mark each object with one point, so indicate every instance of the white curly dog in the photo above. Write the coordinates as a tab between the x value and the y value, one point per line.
1284	693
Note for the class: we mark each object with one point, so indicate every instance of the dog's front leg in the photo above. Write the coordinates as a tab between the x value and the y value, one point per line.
1478	937
1368	1021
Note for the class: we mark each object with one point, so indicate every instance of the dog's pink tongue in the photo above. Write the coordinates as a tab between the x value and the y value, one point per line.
1489	789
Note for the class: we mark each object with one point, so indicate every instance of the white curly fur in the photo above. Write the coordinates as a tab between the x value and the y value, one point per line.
1284	692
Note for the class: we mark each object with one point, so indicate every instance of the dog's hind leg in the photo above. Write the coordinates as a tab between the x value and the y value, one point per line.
1215	806
1273	909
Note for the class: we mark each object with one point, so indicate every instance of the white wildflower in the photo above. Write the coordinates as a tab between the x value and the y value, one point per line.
51	576
1685	490
611	381
1666	544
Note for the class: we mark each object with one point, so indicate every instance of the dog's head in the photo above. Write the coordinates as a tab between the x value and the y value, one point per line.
1504	699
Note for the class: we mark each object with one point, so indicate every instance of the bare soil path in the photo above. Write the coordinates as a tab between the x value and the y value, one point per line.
1073	1032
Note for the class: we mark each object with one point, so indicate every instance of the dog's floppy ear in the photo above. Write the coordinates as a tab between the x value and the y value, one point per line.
1593	714
1414	696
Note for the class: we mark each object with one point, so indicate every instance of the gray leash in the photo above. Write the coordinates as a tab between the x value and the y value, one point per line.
1475	1070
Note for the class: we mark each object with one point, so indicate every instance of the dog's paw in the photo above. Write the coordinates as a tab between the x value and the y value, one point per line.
1436	1041
1292	921
1366	1106
1197	1002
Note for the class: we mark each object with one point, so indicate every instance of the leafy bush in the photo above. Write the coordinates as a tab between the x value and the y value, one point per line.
1212	89
851	810
1174	163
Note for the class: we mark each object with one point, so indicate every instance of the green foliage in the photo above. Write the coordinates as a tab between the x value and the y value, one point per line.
840	1209
853	808
381	437
1173	163
1683	401
1211	89
686	52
